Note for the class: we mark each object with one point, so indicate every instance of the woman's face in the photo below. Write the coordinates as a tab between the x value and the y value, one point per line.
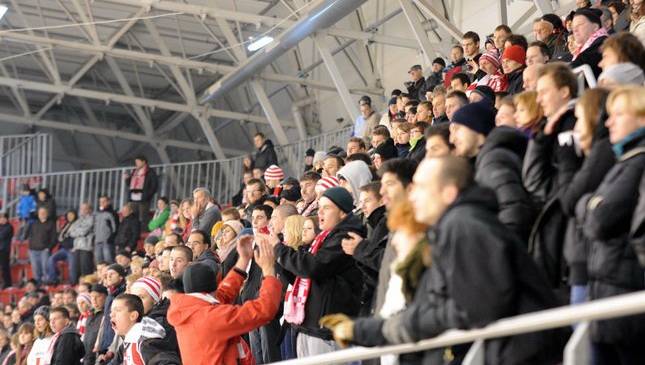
609	58
71	217
15	316
308	232
174	208
42	196
522	115
25	337
403	137
185	210
40	323
161	205
584	135
228	235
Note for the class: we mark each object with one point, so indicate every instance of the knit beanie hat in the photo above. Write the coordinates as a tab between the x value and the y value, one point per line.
492	57
119	270
479	117
439	61
515	53
84	297
387	150
319	156
623	74
341	197
151	285
43	310
485	91
235	225
199	278
98	288
593	15
327	183
310	152
273	172
555	20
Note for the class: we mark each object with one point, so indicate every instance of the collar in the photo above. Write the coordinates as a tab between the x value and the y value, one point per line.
625	144
205	297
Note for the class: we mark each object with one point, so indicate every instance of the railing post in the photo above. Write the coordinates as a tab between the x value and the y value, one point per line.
5	184
82	192
475	355
578	349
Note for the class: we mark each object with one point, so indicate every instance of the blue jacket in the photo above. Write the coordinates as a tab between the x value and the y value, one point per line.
107	331
26	206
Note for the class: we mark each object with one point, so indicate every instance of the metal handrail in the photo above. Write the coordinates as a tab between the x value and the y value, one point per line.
618	306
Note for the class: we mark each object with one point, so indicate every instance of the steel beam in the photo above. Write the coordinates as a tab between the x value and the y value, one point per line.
503	12
265	103
216	147
435	14
419	32
323	48
543	6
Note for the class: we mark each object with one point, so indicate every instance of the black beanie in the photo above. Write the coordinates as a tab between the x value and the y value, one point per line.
341	197
199	278
480	117
387	150
593	15
119	270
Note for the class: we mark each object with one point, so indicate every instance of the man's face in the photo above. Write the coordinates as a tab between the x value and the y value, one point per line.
415	74
98	300
509	65
69	299
391	189
471	48
57	322
58	300
253	193
423	113
499	37
369	202
582	28
201	200
259	219
466	141
123	260
277	221
330	166
535	57
487	67
308	190
456	84
622	122
258	141
171	240
103	202
366	110
426	193
197	244
139	163
329	215
452	105
529	77
436	67
353	147
550	98
125	211
456	54
121	319
113	278
42	214
148	303
164	263
436	147
439	105
505	116
542	30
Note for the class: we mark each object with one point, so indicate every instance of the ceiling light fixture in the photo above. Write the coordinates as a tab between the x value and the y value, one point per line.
259	43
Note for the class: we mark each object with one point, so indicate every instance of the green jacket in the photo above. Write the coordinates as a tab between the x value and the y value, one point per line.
159	219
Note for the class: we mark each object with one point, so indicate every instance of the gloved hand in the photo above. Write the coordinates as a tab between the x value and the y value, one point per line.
341	326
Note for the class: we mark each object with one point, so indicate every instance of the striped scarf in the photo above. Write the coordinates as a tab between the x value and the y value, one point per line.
81	324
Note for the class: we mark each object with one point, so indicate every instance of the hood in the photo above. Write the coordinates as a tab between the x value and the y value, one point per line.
508	138
146	329
267	143
357	174
160	310
481	197
184	307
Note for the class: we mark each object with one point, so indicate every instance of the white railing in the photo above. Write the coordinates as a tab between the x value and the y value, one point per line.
618	306
585	77
25	154
176	181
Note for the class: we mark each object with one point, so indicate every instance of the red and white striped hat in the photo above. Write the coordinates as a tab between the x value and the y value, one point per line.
151	285
84	297
492	57
273	172
327	182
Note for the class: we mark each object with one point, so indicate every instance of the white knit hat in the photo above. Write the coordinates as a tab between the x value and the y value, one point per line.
151	285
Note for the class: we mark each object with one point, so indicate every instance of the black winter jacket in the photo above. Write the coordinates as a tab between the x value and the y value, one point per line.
127	234
591	56
6	234
42	235
417	89
613	266
637	234
418	153
159	313
266	156
499	167
369	254
515	81
68	349
470	284
150	185
50	205
335	278
92	327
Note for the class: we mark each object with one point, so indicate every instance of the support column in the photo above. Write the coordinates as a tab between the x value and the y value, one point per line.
420	34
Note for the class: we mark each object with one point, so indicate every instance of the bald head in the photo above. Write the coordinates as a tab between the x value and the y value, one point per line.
530	77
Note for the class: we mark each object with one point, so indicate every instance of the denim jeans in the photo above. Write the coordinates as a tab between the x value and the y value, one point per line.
38	259
52	269
104	251
578	294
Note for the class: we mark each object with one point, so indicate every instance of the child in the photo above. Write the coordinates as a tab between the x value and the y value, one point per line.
26	211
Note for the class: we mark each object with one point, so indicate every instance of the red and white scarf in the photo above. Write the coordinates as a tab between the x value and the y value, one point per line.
138	177
296	297
602	32
82	322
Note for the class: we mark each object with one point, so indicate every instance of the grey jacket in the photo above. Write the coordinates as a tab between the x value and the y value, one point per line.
206	220
104	226
82	230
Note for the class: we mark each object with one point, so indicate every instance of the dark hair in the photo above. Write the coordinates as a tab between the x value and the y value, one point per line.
338	159
232	212
518	40
272	199
199	232
133	303
259	134
62	310
360	141
142	158
395	92
459	47
176	235
455	170
505	28
561	75
619	6
441	130
459	95
381	131
420	125
627	46
412	102
471	35
163	199
310	176
187	251
373	187
360	156
103	263
257	182
465	79
75	214
403	168
265	208
412	110
544	49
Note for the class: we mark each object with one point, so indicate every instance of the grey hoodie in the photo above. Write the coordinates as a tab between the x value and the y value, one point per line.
82	230
104	225
357	174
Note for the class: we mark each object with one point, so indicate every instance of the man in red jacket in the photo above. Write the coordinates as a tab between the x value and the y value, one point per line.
207	322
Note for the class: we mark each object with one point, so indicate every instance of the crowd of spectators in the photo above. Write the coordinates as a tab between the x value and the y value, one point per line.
493	187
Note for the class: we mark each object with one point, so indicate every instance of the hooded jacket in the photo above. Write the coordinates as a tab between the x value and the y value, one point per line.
613	265
209	329
144	345
159	313
68	349
470	284
266	156
105	225
499	167
127	234
106	332
357	174
26	206
335	278
82	231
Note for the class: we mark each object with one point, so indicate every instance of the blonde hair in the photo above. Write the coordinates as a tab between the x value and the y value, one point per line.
130	279
633	96
293	230
529	100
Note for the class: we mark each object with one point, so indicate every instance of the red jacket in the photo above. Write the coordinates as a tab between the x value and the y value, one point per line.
209	329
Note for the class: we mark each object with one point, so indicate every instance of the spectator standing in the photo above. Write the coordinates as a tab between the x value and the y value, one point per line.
417	84
82	230
42	238
65	249
265	155
471	45
26	211
500	35
127	234
66	342
367	121
456	66
308	190
105	228
115	281
143	184
6	235
436	76
45	200
207	213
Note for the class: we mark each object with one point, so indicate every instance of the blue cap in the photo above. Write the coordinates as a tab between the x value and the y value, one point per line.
246	232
